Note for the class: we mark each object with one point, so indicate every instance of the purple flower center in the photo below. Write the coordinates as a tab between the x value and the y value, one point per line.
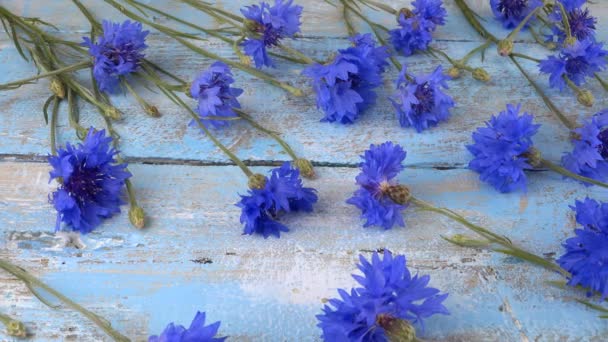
125	53
603	149
426	98
581	23
512	8
270	35
83	183
576	65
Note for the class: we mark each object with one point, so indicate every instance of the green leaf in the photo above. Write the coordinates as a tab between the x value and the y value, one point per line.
45	108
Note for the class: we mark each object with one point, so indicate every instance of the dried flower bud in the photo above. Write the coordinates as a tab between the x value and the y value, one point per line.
569	41
152	111
137	217
251	25
505	47
396	329
244	59
305	167
400	194
534	157
406	12
16	328
465	241
113	113
453	72
585	98
481	74
551	46
256	181
57	87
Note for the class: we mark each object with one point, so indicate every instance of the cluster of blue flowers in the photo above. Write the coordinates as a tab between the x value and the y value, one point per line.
388	290
381	165
282	192
197	332
501	149
345	87
589	156
416	27
91	182
267	25
118	52
212	88
513	12
586	256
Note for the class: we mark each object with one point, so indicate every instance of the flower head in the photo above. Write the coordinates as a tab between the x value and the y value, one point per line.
91	182
577	62
381	165
500	149
117	53
282	192
582	25
345	86
196	332
268	25
512	12
570	5
416	27
589	156
388	289
586	256
420	101
214	94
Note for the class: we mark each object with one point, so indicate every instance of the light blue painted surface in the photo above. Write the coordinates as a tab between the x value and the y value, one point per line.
270	290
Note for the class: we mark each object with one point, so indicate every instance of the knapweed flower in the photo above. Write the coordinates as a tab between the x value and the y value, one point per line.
117	53
379	197
501	149
388	291
91	183
582	25
586	256
267	25
345	86
420	101
577	62
215	95
570	5
512	12
282	192
196	332
589	156
416	26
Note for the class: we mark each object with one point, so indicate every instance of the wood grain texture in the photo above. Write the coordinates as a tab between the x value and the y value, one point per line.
270	290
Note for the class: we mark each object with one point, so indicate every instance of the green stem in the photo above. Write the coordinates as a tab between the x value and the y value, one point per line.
350	28
32	282
510	249
522	23
207	8
565	21
472	53
571	85
69	68
564	172
454	62
54	113
81	132
382	6
470	16
296	53
601	81
147	108
272	134
257	73
521	55
566	121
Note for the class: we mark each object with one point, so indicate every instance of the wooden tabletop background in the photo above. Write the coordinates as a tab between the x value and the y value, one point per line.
192	255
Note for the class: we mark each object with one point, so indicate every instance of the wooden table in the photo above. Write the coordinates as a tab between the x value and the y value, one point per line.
192	255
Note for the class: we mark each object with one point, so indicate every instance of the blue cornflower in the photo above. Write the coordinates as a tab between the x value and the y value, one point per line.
500	149
345	86
577	62
420	101
91	182
388	291
283	192
416	26
214	94
570	5
117	53
582	25
378	187
268	25
586	256
589	156
512	12
196	332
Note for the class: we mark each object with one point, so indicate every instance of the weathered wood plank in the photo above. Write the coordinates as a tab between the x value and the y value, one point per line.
24	131
269	290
